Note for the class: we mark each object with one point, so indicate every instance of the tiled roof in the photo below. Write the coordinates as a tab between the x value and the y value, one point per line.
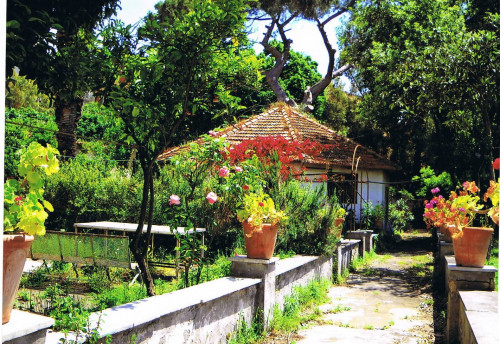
293	125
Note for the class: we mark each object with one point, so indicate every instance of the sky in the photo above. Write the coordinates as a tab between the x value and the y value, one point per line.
304	34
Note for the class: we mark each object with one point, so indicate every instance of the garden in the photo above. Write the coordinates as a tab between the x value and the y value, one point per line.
177	130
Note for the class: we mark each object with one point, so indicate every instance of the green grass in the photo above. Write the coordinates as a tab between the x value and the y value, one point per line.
494	261
364	262
383	258
300	307
340	309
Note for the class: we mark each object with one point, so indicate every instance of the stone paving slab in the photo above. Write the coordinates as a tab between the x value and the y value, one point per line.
380	308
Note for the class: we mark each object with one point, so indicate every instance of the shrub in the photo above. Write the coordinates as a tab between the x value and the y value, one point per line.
312	214
18	137
87	189
99	122
119	295
428	180
400	213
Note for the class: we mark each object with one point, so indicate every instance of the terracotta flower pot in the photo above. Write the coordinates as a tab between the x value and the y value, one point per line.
16	248
260	242
472	246
338	226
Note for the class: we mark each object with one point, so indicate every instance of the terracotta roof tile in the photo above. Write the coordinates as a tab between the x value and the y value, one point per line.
293	125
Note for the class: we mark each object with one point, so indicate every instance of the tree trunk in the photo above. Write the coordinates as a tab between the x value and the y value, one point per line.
68	114
139	243
489	137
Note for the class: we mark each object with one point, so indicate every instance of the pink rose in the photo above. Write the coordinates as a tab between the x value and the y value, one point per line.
223	172
238	169
174	199
211	197
212	133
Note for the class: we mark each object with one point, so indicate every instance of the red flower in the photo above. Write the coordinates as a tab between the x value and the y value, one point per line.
245	187
496	164
287	151
261	204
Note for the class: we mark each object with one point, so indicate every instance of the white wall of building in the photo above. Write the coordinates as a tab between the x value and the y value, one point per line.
371	185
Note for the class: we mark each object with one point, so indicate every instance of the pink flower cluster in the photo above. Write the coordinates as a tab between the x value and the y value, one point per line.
211	197
223	172
176	200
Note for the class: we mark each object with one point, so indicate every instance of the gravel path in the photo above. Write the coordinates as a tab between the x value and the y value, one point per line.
389	302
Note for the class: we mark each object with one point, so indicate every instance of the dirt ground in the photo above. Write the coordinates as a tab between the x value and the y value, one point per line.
391	301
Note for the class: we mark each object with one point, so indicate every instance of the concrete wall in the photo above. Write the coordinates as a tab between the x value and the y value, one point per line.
299	271
478	311
206	313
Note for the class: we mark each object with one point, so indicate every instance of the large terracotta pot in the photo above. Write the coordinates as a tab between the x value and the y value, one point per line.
338	224
260	242
16	248
471	248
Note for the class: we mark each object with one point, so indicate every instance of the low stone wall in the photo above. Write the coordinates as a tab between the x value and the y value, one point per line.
347	251
299	271
478	317
25	327
367	238
459	280
206	313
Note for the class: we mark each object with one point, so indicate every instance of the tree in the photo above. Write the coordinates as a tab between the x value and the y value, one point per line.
428	81
51	42
281	14
163	81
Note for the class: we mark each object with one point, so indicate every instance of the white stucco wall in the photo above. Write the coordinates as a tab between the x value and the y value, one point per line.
371	185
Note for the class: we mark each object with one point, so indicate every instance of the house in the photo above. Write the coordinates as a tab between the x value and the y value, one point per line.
357	173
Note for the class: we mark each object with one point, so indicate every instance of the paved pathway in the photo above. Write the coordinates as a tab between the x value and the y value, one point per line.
389	302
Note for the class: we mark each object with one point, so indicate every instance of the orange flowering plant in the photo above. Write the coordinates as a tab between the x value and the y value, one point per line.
468	202
461	208
439	211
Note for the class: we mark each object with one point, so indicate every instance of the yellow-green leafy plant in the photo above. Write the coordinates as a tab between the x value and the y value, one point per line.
467	202
340	213
258	208
24	206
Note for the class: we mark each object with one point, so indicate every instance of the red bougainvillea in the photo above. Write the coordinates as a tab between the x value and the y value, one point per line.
287	151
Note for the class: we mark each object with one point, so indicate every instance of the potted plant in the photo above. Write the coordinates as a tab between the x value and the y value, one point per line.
261	221
378	215
339	216
470	244
439	213
24	216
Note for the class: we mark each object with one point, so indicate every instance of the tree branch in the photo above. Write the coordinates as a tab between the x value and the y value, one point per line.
281	58
312	93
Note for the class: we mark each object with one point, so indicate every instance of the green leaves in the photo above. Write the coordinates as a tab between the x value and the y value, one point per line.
24	206
425	79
